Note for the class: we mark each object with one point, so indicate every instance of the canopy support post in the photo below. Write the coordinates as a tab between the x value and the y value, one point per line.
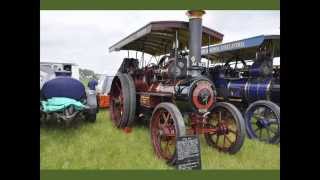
208	50
176	53
273	49
142	59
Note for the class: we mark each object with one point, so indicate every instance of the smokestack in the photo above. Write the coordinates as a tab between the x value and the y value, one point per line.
195	35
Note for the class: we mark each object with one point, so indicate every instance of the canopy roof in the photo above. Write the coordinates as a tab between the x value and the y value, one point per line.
156	38
244	49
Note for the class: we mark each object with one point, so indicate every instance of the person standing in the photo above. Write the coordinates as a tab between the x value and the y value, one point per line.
92	84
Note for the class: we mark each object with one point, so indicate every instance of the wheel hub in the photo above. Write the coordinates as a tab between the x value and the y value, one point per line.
222	129
262	123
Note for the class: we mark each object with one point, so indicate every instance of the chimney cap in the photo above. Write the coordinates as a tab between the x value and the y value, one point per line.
195	13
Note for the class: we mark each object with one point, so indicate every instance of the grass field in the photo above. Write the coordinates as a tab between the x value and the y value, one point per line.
101	146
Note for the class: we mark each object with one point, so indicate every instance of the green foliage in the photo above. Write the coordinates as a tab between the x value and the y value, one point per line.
87	74
100	145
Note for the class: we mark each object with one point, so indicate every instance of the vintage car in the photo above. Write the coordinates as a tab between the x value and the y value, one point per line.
171	95
244	73
63	98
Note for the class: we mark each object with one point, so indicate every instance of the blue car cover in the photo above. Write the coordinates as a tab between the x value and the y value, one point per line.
63	87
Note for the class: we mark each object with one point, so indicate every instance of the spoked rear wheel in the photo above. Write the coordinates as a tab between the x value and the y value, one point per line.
263	121
133	100
166	125
120	101
230	128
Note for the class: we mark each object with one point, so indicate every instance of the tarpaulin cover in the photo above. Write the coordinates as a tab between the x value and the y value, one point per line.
60	103
63	87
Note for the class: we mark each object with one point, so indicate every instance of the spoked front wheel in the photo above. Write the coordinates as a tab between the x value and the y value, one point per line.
229	127
263	121
166	125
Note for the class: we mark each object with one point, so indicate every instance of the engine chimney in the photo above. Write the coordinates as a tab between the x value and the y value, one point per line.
195	39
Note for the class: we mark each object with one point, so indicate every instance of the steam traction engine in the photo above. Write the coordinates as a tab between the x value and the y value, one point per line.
172	95
255	88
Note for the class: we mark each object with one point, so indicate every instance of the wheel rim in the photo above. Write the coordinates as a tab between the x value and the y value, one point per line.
163	134
226	134
263	123
116	102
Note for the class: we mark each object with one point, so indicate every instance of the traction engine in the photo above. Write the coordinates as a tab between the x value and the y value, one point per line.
256	93
175	99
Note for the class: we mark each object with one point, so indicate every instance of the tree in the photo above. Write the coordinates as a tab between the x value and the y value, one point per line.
86	74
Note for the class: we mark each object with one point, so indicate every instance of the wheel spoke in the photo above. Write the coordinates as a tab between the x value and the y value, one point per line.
218	136
169	116
256	130
257	111
265	114
259	116
166	148
273	121
260	133
268	133
164	117
232	131
270	129
228	139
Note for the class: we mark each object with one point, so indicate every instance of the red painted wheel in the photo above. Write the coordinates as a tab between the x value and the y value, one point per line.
230	128
166	125
119	101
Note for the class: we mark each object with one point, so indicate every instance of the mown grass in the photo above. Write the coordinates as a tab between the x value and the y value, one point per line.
99	145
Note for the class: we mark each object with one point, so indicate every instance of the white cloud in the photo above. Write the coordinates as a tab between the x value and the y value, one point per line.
83	37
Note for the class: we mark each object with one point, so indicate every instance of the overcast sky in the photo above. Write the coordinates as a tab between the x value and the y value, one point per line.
83	37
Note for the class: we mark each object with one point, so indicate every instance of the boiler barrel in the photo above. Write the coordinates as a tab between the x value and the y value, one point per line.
253	89
237	88
258	89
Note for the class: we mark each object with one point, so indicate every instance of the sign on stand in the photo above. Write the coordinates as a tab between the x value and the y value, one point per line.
188	153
